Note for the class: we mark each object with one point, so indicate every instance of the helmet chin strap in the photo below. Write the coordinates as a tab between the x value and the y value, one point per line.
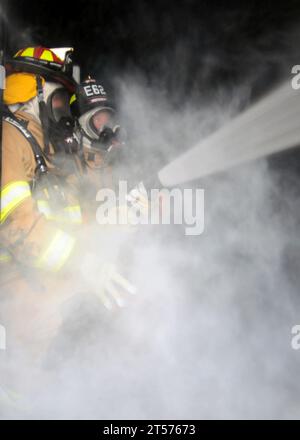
43	113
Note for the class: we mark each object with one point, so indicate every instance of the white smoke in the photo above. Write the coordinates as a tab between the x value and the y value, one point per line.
209	333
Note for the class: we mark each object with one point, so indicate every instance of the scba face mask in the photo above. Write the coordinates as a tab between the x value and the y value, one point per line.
93	121
60	121
61	135
58	105
96	117
110	143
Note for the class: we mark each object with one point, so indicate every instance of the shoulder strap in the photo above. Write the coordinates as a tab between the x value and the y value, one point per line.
55	192
37	151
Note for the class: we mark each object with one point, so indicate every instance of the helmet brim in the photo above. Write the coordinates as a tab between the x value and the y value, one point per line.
13	66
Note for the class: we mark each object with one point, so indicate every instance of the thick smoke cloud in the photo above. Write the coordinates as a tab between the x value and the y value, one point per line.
209	333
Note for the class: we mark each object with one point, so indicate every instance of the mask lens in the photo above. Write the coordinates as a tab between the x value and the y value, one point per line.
60	107
103	118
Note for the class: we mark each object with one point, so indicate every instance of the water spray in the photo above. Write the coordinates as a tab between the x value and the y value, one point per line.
269	126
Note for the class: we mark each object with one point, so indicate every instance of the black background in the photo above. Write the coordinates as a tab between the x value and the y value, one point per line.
189	50
187	47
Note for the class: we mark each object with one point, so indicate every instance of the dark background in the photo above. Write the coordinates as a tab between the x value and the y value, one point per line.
185	47
189	50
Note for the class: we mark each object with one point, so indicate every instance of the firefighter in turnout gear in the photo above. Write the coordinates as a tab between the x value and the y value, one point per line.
40	183
36	107
35	208
102	141
96	131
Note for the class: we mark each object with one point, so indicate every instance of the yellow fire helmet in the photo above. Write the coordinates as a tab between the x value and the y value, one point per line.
44	62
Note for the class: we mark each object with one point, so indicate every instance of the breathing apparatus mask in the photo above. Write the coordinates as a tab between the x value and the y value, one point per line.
110	143
96	116
56	118
100	134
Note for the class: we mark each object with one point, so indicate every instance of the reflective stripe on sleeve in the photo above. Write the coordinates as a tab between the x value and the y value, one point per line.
44	208
57	252
11	196
70	214
73	214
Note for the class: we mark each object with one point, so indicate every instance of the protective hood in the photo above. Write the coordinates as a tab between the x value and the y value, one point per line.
85	121
20	87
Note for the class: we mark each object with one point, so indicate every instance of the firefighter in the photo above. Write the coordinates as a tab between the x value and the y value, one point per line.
39	201
102	142
97	132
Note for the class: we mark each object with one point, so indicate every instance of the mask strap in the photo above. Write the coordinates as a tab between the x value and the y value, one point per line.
43	113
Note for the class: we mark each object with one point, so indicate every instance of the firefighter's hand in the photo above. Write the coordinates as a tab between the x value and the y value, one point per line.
114	289
106	282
